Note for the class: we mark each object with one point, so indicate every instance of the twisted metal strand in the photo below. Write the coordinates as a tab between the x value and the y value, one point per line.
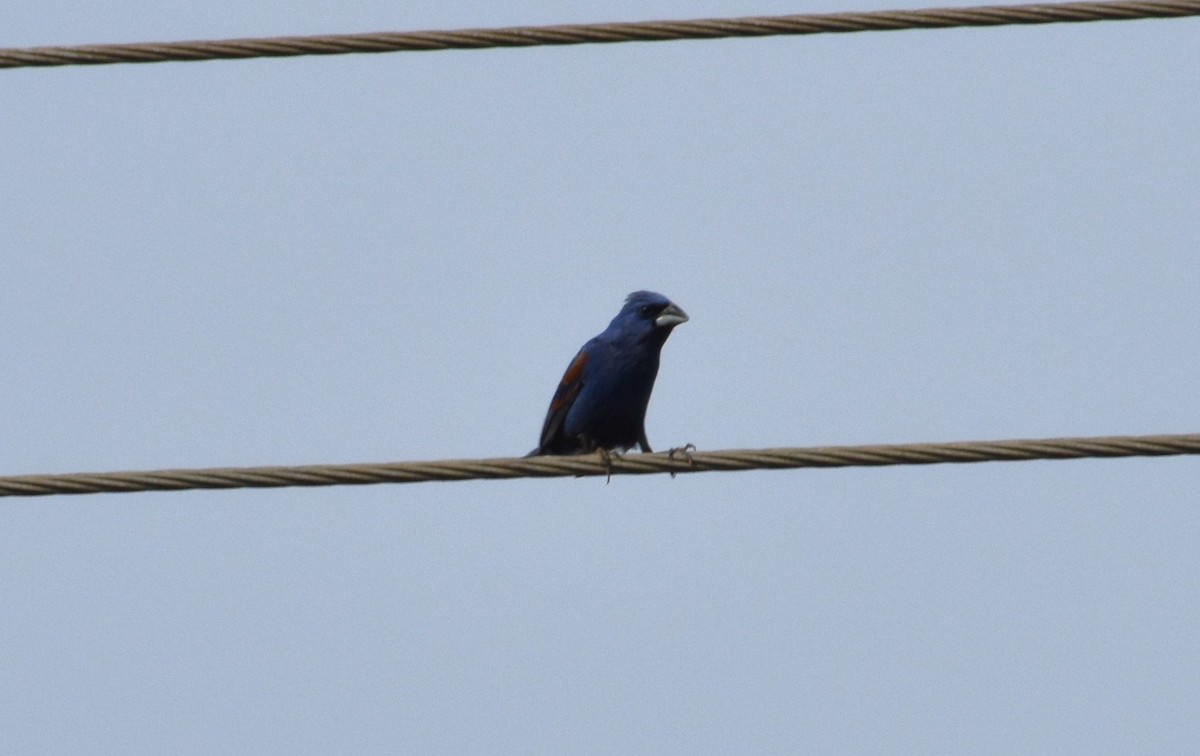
593	465
577	34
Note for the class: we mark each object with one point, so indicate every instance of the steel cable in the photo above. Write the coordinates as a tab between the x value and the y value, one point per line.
578	34
593	465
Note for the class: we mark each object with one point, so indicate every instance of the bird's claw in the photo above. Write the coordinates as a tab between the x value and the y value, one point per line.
684	451
607	456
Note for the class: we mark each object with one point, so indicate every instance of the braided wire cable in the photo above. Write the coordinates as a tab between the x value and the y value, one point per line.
593	465
577	34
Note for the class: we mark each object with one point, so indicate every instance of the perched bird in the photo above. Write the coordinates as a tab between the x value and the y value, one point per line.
601	401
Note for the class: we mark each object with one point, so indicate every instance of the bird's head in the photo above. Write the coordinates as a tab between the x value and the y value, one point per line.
648	313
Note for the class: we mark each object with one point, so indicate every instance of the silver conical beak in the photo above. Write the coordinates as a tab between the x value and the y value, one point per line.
670	317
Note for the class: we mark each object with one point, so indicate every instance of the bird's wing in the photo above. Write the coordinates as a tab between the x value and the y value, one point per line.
564	397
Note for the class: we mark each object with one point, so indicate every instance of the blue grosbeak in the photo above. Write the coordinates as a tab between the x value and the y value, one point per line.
601	401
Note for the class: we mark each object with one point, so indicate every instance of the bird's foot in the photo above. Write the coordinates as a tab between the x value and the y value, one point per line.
607	456
684	451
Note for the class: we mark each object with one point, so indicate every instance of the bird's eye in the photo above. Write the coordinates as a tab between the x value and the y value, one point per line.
645	309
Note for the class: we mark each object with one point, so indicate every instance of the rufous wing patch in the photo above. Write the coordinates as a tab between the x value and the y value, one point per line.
564	396
570	384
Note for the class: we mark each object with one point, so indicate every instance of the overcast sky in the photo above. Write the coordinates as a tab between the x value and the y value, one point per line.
892	237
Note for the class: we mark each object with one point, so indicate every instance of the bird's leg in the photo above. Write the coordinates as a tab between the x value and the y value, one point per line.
685	451
607	456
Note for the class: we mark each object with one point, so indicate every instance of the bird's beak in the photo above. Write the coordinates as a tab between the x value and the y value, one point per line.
671	317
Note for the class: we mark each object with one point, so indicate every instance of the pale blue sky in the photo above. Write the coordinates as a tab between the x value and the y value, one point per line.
910	236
